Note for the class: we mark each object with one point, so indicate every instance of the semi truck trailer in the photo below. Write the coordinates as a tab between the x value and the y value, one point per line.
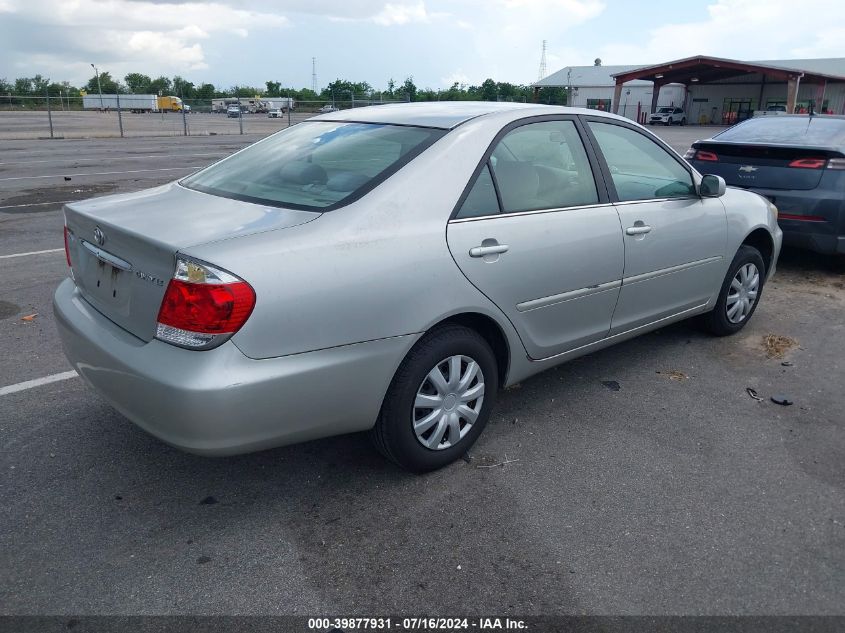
132	103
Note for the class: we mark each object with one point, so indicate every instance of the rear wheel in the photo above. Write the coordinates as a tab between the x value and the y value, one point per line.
683	121
740	293
439	400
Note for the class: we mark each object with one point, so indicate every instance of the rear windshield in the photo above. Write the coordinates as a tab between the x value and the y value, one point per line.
787	130
314	165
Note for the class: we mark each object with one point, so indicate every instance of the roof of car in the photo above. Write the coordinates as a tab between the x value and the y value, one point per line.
438	114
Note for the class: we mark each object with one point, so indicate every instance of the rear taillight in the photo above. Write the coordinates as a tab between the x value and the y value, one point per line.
67	247
836	163
203	306
808	163
704	155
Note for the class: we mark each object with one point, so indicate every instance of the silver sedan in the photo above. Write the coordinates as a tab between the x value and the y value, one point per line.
389	269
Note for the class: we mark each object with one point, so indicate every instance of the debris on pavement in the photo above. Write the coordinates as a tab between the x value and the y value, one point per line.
674	374
753	393
613	385
208	501
29	317
787	363
781	400
777	346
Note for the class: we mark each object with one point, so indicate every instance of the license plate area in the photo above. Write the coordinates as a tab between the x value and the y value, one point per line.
104	278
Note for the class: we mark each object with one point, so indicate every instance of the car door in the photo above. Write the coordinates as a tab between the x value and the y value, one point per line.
536	235
674	238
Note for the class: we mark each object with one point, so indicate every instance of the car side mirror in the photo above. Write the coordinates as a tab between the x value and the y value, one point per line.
712	186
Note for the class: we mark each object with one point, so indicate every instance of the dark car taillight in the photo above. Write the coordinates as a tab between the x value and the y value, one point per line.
705	155
808	163
203	306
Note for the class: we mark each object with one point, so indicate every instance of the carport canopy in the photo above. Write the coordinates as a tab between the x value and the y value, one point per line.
702	69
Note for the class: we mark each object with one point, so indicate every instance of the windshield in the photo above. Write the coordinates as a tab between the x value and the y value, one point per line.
664	110
314	165
787	130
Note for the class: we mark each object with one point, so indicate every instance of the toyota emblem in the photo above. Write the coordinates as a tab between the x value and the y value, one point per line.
99	236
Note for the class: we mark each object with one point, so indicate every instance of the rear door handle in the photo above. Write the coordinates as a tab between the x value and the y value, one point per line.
481	251
639	229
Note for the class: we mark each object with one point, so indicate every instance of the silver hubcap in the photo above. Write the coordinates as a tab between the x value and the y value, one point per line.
448	402
742	294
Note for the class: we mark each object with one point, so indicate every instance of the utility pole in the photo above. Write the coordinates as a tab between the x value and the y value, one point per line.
99	87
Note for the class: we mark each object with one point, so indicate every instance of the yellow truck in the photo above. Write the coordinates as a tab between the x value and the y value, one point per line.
170	104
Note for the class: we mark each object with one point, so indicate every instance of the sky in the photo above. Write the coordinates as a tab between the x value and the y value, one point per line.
437	42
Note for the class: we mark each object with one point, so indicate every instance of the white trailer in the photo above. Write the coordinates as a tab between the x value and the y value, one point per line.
132	103
280	103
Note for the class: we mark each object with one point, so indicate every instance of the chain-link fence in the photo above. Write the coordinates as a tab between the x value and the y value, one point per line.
96	116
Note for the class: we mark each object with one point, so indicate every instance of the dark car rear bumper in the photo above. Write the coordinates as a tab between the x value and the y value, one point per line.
813	219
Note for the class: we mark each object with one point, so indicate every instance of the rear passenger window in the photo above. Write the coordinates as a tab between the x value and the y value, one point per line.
639	167
543	166
481	199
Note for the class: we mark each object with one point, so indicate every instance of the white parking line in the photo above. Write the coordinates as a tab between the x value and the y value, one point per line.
34	204
29	384
101	173
51	250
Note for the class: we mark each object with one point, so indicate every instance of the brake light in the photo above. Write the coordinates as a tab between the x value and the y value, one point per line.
203	306
808	163
67	247
704	155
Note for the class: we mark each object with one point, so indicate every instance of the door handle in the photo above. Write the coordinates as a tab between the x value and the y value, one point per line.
638	229
493	249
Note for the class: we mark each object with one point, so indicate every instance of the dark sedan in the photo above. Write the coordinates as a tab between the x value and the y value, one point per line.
797	162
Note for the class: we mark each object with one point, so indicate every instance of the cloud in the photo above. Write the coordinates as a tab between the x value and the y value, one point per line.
744	29
120	35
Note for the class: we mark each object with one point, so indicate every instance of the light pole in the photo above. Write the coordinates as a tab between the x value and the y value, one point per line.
99	87
625	109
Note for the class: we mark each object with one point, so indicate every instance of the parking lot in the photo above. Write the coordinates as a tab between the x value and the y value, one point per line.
643	479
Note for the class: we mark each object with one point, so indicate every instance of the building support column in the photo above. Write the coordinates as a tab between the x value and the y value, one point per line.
792	85
655	95
617	97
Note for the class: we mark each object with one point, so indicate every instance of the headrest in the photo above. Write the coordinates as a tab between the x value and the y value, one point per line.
302	173
518	182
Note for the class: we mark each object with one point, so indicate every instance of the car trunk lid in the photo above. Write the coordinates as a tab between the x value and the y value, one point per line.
763	166
122	248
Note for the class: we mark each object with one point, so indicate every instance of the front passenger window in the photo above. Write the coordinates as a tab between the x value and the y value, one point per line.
639	167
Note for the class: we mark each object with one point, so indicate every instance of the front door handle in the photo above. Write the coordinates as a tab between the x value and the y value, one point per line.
638	229
493	249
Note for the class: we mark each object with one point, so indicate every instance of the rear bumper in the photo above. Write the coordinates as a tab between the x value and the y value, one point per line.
826	236
220	402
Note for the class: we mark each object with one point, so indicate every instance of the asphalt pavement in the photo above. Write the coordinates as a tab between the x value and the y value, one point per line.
643	479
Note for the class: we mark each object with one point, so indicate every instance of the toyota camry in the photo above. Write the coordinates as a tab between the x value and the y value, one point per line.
389	269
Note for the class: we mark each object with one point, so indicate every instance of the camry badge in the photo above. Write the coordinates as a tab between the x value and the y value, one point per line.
748	168
99	236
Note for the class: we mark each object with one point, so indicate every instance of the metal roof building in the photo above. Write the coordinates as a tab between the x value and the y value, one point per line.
710	89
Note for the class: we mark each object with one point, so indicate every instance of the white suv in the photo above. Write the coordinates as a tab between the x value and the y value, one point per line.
668	115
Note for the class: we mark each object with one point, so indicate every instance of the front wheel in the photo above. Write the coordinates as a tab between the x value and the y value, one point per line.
439	400
683	122
740	293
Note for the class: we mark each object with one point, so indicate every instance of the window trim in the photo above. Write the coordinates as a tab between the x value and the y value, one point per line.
608	177
595	167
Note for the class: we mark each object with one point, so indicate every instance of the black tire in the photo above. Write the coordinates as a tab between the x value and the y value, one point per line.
683	122
669	121
716	321
393	433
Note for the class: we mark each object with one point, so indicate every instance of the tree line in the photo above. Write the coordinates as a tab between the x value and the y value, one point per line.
338	90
